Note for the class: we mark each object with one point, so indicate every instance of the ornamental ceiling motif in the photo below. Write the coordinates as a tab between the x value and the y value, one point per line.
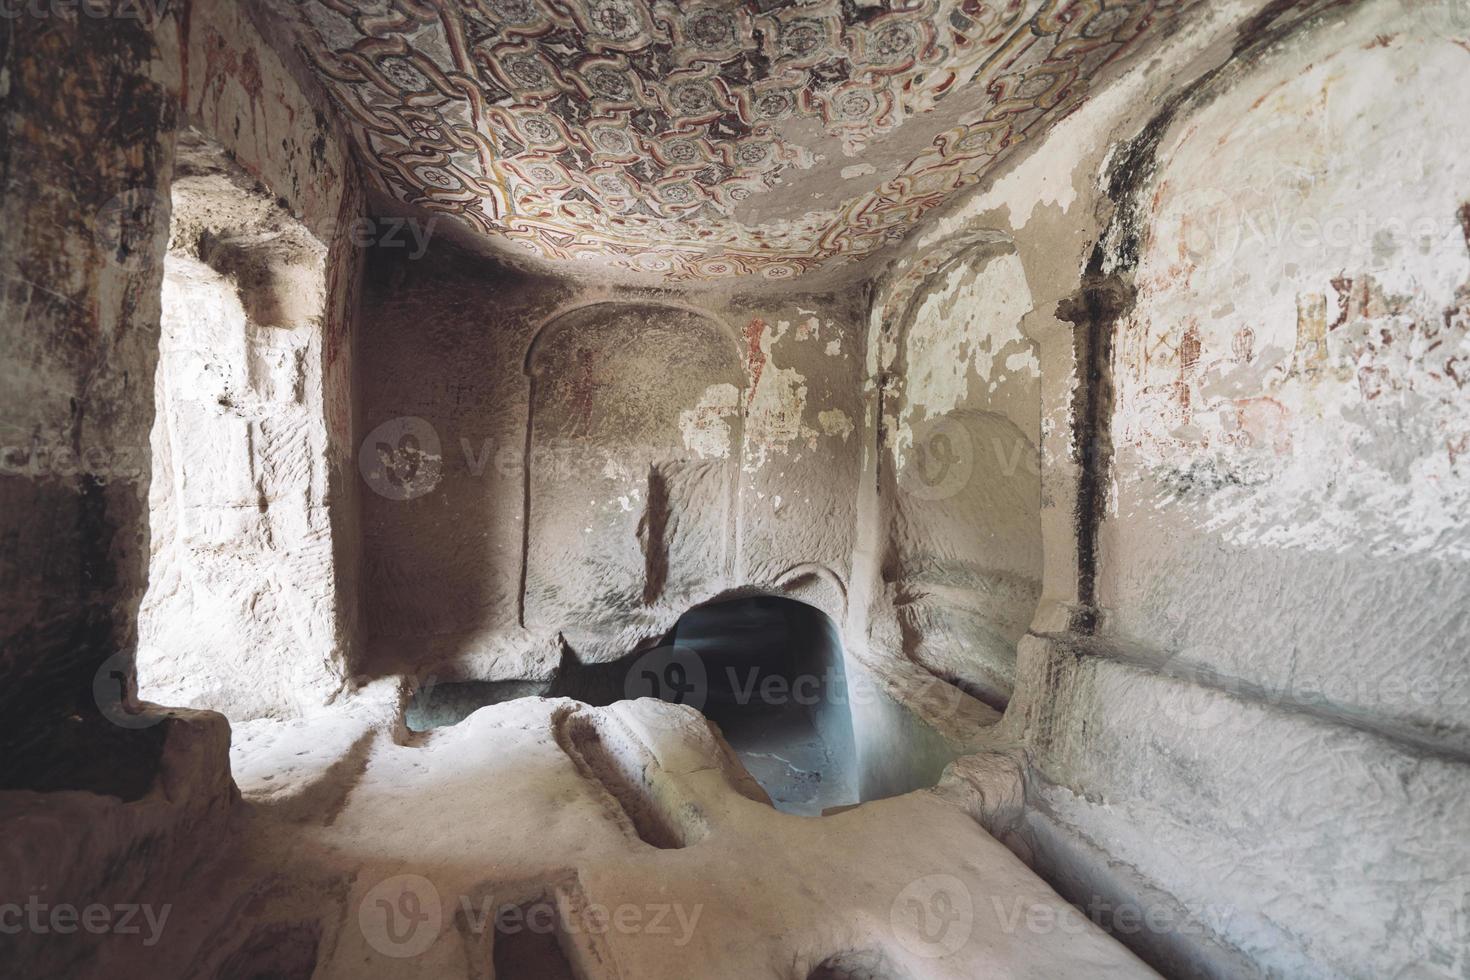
703	139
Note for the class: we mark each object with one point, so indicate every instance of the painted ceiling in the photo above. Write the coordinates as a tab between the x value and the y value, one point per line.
708	139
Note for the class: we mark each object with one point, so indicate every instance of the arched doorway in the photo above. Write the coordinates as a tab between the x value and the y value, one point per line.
774	682
768	671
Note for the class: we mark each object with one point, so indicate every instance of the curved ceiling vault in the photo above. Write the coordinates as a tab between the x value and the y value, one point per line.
685	141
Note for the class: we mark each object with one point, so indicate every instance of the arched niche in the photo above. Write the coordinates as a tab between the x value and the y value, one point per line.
632	448
962	413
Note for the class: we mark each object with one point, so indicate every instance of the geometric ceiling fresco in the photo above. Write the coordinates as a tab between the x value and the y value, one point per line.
676	140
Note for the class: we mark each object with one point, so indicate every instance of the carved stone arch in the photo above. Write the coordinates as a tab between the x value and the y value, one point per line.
961	398
897	295
633	431
816	585
570	314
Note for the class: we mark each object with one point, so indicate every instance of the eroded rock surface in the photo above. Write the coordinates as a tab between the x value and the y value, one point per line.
629	832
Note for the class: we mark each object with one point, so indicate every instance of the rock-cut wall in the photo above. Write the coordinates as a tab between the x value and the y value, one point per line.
243	613
1282	555
92	113
1243	692
555	469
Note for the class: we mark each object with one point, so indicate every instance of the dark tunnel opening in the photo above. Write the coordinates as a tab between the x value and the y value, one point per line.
768	671
776	687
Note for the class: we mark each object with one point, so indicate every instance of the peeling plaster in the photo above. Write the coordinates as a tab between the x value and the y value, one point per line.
704	427
835	422
967	327
1324	407
778	397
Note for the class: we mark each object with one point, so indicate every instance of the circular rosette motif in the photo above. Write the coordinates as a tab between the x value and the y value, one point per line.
439	177
542	173
717	267
540	132
424	129
438	181
658	261
709	32
1040	87
858	109
610	83
682	153
394	68
678	196
613	141
692	100
801	37
729	193
415	175
517	16
779	270
983	138
894	44
768	103
1101	28
401	76
613	188
756	155
524	70
613	25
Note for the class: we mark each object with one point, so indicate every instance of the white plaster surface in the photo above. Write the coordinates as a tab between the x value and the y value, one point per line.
241	610
545	795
